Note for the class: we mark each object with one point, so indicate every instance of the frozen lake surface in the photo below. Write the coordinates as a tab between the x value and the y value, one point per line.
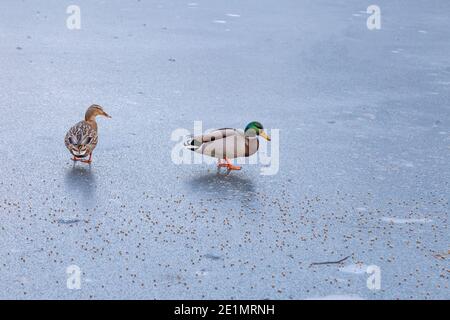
364	119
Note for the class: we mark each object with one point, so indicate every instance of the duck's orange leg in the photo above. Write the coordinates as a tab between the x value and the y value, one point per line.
88	160
230	166
220	164
75	159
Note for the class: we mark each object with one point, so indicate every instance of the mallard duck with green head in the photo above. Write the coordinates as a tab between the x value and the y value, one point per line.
82	138
228	143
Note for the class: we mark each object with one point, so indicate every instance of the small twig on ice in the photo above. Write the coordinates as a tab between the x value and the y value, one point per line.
329	262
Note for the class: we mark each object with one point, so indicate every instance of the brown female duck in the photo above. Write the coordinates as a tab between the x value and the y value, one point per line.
82	138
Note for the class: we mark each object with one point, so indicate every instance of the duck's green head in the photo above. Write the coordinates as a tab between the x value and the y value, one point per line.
256	128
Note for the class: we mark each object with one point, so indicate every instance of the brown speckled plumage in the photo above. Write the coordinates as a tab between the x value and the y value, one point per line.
82	138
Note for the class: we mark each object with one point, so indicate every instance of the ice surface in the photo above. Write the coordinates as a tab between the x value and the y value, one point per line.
364	135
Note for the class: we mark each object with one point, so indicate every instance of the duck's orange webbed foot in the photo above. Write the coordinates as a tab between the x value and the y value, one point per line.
227	165
231	167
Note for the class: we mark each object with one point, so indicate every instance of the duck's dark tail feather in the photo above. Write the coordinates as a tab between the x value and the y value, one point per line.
191	143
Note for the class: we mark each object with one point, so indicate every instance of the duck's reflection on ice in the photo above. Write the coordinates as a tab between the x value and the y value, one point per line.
80	182
222	185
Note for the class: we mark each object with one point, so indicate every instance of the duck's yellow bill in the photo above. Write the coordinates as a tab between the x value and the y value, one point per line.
264	135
